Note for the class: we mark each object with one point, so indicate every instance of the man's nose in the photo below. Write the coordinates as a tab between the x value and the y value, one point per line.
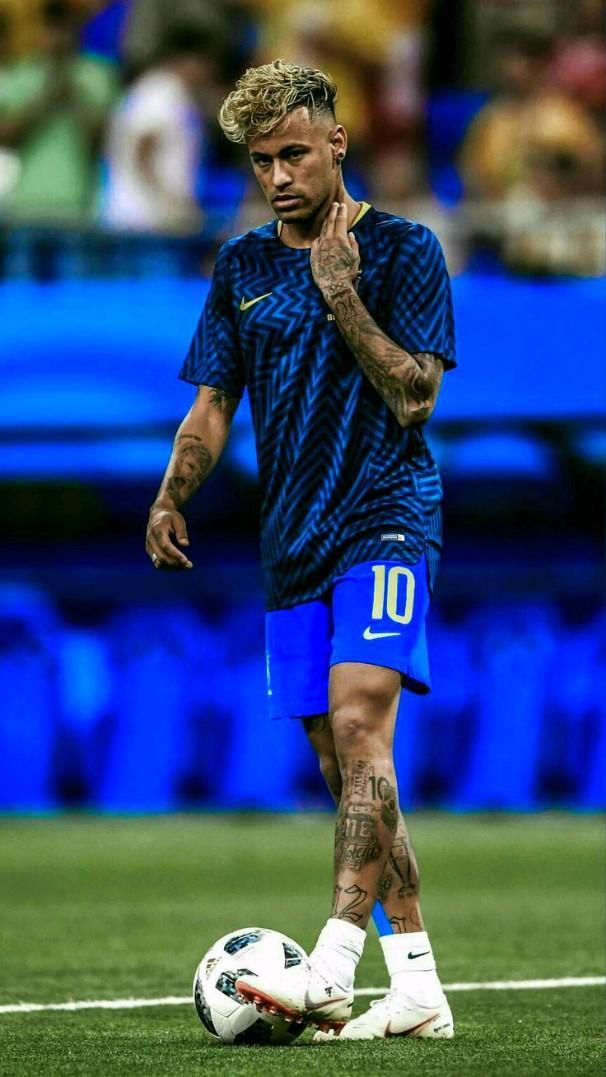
280	175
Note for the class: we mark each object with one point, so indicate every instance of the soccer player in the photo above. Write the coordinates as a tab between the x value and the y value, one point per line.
338	319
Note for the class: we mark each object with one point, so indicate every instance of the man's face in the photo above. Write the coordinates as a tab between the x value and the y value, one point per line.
295	164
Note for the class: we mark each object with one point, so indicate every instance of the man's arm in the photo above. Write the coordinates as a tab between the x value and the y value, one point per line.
409	383
198	444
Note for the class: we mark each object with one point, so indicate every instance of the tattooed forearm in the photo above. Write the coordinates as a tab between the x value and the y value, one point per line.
409	384
189	465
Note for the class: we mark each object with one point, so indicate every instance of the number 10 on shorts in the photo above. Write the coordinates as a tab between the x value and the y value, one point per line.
387	585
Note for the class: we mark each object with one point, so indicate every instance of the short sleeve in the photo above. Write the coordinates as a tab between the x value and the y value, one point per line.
421	317
214	356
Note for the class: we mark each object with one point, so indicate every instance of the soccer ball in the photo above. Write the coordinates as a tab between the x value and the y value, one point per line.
225	1014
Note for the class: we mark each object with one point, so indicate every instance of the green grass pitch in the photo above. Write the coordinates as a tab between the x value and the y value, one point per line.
108	908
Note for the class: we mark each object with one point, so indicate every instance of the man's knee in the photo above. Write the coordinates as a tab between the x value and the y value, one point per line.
364	701
363	726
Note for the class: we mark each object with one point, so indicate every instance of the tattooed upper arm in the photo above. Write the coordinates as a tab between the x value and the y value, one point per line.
220	400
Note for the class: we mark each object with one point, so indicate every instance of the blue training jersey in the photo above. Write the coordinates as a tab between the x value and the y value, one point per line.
341	481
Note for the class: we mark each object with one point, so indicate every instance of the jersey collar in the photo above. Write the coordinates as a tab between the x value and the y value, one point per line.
363	210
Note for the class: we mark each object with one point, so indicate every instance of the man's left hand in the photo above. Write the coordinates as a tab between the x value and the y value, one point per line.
335	256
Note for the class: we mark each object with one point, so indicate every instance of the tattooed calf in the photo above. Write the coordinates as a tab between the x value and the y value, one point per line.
356	838
403	924
402	860
347	901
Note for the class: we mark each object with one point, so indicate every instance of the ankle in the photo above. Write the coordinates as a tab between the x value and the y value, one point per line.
339	949
412	967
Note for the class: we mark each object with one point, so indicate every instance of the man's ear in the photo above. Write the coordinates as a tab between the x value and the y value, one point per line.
338	142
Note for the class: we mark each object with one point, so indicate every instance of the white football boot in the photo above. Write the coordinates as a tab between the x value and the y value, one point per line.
396	1015
305	993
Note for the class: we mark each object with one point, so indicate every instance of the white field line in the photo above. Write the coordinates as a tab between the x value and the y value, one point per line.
186	1000
509	985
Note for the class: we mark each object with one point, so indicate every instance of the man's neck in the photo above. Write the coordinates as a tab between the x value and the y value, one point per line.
302	233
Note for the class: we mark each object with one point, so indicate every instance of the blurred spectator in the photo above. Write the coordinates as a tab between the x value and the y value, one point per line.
52	111
233	22
150	25
530	133
4	38
579	63
374	53
9	161
530	150
157	139
23	23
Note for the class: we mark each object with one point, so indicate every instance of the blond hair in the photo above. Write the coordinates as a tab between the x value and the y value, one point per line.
264	95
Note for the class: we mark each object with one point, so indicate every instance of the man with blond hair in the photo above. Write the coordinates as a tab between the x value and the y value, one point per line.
338	320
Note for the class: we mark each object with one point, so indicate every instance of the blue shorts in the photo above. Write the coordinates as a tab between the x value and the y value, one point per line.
374	613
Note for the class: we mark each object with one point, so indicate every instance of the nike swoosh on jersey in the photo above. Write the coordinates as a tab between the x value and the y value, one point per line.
246	303
369	634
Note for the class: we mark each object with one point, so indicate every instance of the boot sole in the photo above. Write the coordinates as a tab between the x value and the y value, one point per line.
266	1004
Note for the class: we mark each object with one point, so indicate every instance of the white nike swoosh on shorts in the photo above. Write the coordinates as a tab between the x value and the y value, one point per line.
369	634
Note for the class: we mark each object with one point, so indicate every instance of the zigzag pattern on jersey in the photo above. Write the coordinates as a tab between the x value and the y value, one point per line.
336	470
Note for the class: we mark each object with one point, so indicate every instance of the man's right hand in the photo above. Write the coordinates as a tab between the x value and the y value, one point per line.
163	525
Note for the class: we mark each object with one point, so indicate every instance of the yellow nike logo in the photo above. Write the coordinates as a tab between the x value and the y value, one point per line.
246	303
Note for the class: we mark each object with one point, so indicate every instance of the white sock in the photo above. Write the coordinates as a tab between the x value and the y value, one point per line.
411	966
339	947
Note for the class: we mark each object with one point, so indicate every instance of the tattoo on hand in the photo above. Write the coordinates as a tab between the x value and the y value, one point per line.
191	464
334	268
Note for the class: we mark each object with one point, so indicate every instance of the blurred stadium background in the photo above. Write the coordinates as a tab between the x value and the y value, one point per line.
123	689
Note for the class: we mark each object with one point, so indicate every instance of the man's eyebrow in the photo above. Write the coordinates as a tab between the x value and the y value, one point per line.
285	149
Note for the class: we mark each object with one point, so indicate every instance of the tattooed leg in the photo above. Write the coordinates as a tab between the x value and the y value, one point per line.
363	708
366	823
399	885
